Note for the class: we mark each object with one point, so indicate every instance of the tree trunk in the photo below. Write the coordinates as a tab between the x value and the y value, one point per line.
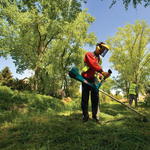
74	88
53	87
36	78
127	91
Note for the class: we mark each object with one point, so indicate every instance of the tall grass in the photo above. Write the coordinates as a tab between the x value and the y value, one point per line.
36	122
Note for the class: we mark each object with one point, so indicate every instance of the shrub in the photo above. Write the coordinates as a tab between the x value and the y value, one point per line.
147	99
62	93
19	98
5	94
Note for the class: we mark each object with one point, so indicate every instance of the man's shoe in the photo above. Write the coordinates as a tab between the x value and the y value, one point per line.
85	119
97	121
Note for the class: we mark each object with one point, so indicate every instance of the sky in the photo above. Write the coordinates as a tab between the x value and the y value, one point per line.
106	24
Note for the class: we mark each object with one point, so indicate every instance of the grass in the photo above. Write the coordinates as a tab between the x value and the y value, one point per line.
36	122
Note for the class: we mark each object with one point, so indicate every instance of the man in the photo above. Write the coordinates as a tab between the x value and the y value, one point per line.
133	92
90	73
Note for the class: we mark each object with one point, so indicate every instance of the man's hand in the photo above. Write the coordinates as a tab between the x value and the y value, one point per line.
105	74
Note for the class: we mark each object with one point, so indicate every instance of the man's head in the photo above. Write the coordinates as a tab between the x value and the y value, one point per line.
101	49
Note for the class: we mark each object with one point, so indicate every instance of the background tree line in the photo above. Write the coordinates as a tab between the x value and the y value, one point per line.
6	79
26	84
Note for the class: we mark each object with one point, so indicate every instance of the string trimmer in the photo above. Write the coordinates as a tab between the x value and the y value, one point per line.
74	73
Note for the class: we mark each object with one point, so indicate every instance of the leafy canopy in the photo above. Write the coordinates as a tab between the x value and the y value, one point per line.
126	3
130	52
46	36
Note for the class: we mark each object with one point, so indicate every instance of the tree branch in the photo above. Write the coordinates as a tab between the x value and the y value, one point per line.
50	40
31	45
145	63
122	61
40	39
61	61
139	50
28	56
67	61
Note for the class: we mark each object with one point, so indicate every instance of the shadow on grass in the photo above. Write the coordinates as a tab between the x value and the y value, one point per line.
114	109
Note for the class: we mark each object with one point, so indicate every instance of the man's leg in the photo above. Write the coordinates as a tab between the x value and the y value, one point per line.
131	100
95	104
135	98
84	102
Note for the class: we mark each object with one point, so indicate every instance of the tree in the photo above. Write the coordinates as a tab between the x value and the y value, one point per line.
40	34
147	87
1	77
6	77
107	87
68	51
147	92
21	85
130	53
121	84
146	3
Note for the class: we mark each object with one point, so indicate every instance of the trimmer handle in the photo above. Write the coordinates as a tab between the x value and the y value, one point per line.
109	71
100	83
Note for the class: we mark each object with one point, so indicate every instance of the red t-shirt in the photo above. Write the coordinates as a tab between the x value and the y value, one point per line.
92	62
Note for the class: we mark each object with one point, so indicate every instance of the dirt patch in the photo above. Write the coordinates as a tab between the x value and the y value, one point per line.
67	99
21	108
123	100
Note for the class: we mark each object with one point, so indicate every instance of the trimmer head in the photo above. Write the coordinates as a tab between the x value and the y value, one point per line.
145	119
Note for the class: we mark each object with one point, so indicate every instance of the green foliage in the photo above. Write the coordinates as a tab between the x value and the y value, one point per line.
20	85
122	84
126	3
45	36
59	126
147	99
19	98
118	96
5	97
147	87
73	88
35	101
61	93
1	78
130	53
6	77
5	94
107	87
147	93
44	103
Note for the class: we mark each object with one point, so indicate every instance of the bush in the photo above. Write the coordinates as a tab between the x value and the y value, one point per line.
5	97
5	94
147	99
61	93
19	98
35	102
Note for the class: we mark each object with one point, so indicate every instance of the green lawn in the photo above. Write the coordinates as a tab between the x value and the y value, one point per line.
45	123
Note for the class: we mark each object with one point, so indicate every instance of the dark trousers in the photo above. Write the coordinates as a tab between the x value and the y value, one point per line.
131	99
94	101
